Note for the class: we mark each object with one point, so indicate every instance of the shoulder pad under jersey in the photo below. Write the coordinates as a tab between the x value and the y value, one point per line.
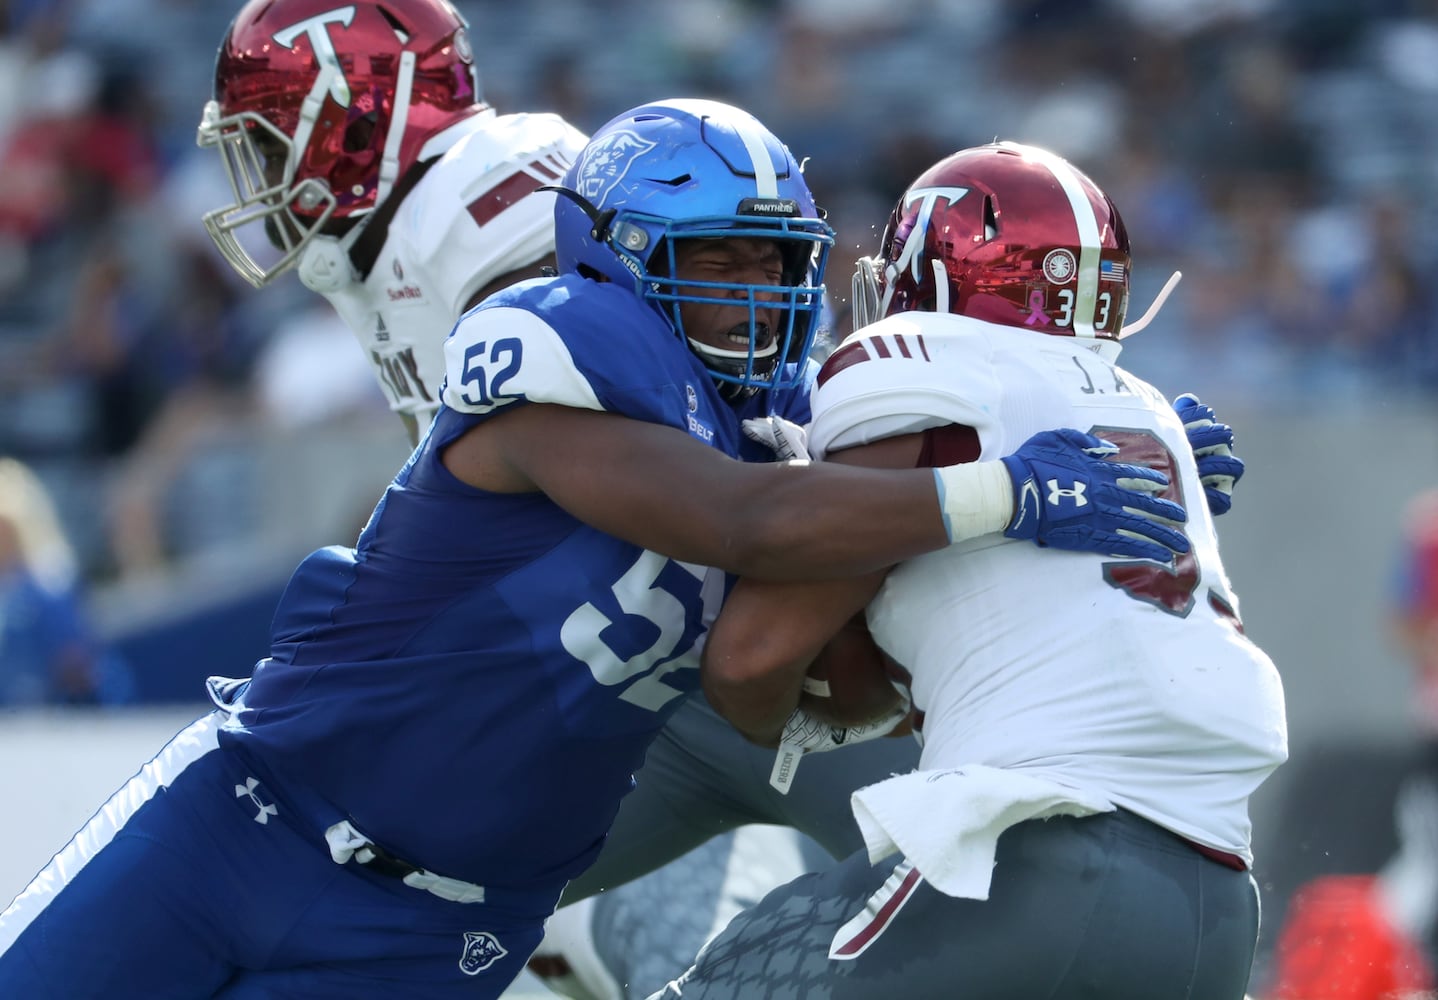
900	375
568	341
478	214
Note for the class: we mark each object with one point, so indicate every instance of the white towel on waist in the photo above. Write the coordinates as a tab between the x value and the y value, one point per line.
948	822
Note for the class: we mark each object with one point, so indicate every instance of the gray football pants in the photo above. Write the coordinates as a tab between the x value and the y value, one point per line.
1107	907
673	842
701	778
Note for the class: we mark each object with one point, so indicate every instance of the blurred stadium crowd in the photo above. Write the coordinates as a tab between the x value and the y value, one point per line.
1281	153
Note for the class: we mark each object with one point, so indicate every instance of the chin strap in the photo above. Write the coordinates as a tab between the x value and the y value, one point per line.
328	263
600	219
1129	329
376	228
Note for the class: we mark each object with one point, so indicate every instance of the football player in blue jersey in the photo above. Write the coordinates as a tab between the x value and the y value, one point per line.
357	141
453	709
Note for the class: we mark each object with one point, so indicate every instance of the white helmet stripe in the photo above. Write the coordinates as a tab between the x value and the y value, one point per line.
389	164
329	81
766	182
1090	238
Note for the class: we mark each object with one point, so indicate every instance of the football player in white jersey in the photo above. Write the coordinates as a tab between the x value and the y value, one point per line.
1092	728
362	155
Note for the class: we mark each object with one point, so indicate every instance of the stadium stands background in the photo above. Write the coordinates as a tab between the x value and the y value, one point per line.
199	436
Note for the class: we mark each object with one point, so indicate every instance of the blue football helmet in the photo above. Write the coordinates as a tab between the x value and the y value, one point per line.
695	169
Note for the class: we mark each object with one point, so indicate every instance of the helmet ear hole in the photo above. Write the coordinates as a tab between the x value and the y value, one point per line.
359	134
991	219
394	22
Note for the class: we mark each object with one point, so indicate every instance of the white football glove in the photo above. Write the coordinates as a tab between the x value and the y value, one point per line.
786	439
805	734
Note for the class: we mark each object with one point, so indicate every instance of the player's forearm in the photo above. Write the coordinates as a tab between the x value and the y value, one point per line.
755	659
658	487
823	521
762	645
757	707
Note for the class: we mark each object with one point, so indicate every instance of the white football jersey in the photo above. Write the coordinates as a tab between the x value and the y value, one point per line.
474	216
1122	678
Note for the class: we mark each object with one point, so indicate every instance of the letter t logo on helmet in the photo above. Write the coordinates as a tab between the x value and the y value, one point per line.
331	76
319	109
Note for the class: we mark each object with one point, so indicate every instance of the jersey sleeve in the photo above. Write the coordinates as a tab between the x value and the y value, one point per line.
501	355
565	341
899	377
481	213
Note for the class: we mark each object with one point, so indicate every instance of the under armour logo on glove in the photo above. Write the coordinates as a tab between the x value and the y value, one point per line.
1057	495
1092	504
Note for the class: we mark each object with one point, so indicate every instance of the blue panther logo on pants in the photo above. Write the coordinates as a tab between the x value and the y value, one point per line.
481	950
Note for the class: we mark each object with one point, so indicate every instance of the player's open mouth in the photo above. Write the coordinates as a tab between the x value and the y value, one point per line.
764	344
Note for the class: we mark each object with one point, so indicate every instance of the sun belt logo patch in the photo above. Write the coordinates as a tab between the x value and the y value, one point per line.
607	161
481	950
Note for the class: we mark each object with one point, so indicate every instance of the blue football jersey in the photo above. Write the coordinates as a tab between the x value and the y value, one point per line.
475	683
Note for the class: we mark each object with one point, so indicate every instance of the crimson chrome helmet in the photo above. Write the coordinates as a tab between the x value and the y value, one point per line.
320	107
1006	233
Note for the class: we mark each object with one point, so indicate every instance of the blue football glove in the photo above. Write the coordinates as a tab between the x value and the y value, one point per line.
1068	496
1212	443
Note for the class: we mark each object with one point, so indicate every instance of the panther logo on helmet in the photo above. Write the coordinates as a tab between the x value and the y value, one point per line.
605	163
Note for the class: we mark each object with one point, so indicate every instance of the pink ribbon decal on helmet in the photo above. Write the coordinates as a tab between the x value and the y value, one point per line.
1036	309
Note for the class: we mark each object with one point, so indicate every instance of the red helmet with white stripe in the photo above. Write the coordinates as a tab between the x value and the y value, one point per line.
321	106
1005	233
